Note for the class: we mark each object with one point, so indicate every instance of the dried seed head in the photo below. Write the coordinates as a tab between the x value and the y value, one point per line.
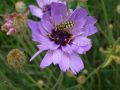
20	23
15	24
81	79
16	59
20	7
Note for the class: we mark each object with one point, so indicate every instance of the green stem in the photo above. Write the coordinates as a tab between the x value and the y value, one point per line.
31	79
105	12
95	71
7	80
110	34
59	79
99	27
99	67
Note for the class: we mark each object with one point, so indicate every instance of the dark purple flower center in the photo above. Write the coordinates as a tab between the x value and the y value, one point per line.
61	35
46	8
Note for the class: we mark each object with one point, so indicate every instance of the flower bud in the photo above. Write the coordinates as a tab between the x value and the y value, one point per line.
117	49
110	26
20	7
81	79
85	72
116	59
40	83
16	58
118	9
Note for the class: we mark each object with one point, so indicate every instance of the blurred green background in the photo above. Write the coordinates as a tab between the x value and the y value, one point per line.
102	71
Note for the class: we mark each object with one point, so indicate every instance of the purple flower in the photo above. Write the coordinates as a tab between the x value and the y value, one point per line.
44	6
64	35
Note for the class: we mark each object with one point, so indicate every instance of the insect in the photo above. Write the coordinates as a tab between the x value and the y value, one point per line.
68	24
65	25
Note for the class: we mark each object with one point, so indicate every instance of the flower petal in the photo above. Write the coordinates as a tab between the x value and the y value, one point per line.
90	30
47	15
81	41
64	64
42	3
48	45
83	49
53	1
47	60
67	49
76	64
36	11
81	45
47	26
57	56
35	31
91	20
42	39
78	14
58	1
42	30
58	12
36	54
87	47
79	27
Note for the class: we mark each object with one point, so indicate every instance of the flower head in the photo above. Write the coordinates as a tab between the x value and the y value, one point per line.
15	23
8	26
16	58
44	6
81	79
64	35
